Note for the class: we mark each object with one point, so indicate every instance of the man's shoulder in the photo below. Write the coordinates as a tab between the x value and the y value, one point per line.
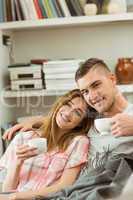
92	131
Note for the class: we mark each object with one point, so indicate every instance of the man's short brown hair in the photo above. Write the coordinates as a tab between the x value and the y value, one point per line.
89	64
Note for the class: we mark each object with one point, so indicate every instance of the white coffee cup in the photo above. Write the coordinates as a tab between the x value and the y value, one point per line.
103	125
39	143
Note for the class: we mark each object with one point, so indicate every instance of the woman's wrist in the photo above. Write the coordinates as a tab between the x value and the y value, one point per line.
27	195
18	164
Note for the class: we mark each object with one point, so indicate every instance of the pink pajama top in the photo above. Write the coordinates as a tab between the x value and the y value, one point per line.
46	168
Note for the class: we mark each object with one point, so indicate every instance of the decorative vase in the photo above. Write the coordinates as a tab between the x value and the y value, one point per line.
124	70
90	9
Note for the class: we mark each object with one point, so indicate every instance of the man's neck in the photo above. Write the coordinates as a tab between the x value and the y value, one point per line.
119	106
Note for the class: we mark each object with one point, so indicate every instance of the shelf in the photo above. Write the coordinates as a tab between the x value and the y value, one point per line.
39	93
67	21
32	93
126	88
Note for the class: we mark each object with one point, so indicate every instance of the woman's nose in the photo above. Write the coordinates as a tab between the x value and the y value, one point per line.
69	112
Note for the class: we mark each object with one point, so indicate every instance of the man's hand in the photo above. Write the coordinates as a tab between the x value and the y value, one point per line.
122	125
24	126
18	127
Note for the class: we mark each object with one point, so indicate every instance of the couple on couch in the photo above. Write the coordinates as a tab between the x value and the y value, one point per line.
65	171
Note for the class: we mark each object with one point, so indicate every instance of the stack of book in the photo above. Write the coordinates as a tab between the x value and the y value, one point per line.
12	10
59	74
25	76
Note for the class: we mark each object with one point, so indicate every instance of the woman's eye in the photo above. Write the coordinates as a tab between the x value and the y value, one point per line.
78	113
67	104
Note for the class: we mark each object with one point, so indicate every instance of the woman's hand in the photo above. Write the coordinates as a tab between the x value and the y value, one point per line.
11	181
24	152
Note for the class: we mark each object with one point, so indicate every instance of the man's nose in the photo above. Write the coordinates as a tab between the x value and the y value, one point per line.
92	95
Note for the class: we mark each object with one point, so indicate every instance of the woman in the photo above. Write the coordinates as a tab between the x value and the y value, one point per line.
65	129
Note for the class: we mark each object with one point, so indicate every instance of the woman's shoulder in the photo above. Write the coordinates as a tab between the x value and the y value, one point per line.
78	151
79	141
80	138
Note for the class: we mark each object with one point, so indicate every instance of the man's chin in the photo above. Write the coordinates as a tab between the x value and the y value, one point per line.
100	110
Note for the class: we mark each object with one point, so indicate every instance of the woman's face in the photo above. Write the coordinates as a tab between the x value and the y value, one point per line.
71	114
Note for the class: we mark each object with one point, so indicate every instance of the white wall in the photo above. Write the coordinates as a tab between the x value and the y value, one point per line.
108	41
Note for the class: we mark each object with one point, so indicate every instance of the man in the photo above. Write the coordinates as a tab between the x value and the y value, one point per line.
98	86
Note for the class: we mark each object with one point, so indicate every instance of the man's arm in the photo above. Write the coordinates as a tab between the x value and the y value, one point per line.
24	126
122	125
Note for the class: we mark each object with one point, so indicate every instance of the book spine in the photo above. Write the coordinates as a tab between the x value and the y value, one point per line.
17	8
64	8
47	8
8	10
60	76
1	11
77	7
24	9
35	15
41	5
4	11
38	9
61	62
60	70
55	14
71	9
60	86
58	10
14	17
31	9
80	7
20	9
82	3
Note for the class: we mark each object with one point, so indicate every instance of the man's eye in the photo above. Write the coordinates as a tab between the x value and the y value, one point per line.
96	85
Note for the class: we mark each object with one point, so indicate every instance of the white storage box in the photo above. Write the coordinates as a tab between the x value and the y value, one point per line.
29	72
26	84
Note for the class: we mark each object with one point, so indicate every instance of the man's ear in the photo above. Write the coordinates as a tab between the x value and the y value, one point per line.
113	78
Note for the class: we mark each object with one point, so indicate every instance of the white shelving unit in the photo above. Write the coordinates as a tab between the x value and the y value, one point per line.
67	21
33	93
127	89
105	36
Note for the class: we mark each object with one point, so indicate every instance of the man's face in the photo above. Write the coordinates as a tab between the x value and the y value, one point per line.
98	89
